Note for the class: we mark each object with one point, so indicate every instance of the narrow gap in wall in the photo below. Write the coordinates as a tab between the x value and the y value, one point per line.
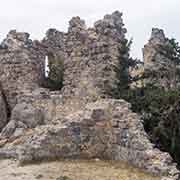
53	72
46	66
8	109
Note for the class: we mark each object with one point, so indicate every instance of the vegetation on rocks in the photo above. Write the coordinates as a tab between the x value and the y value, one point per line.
125	61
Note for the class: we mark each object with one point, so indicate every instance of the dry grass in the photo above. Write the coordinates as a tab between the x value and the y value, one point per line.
75	170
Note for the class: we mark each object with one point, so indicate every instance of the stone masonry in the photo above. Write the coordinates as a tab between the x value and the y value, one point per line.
82	120
159	68
22	66
89	54
90	57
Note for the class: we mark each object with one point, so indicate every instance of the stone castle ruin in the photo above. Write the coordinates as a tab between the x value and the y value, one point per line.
82	120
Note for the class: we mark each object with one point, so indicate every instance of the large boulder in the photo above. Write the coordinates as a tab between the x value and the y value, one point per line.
28	115
23	116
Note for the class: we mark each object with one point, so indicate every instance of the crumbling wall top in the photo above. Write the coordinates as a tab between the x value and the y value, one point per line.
76	23
111	25
16	41
157	36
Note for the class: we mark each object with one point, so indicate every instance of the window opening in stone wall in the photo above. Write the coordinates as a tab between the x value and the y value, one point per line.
53	72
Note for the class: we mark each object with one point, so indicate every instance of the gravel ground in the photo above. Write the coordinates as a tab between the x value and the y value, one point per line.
75	170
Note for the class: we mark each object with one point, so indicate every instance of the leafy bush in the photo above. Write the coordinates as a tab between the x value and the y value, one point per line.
160	110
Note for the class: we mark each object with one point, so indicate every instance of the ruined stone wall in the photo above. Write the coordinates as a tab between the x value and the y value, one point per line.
22	66
81	121
159	69
90	55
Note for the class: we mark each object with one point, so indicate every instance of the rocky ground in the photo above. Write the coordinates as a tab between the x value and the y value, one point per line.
71	170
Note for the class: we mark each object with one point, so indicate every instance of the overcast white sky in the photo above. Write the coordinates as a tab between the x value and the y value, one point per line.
36	16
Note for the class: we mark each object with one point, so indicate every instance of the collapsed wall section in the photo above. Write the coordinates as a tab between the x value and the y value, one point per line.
106	129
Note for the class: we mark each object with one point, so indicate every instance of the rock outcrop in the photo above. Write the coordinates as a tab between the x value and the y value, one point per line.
81	121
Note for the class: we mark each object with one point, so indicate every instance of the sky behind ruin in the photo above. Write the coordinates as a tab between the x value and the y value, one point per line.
36	16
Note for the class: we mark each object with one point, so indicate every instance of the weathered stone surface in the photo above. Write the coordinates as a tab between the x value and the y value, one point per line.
23	116
28	115
16	41
159	68
90	56
9	129
3	112
22	66
54	41
76	122
105	129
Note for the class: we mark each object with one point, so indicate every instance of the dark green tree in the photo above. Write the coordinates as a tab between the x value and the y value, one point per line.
125	61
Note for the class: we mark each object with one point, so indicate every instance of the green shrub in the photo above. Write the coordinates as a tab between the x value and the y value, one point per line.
160	110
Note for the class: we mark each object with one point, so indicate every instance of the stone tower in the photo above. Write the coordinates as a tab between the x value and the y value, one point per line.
90	56
22	66
159	69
